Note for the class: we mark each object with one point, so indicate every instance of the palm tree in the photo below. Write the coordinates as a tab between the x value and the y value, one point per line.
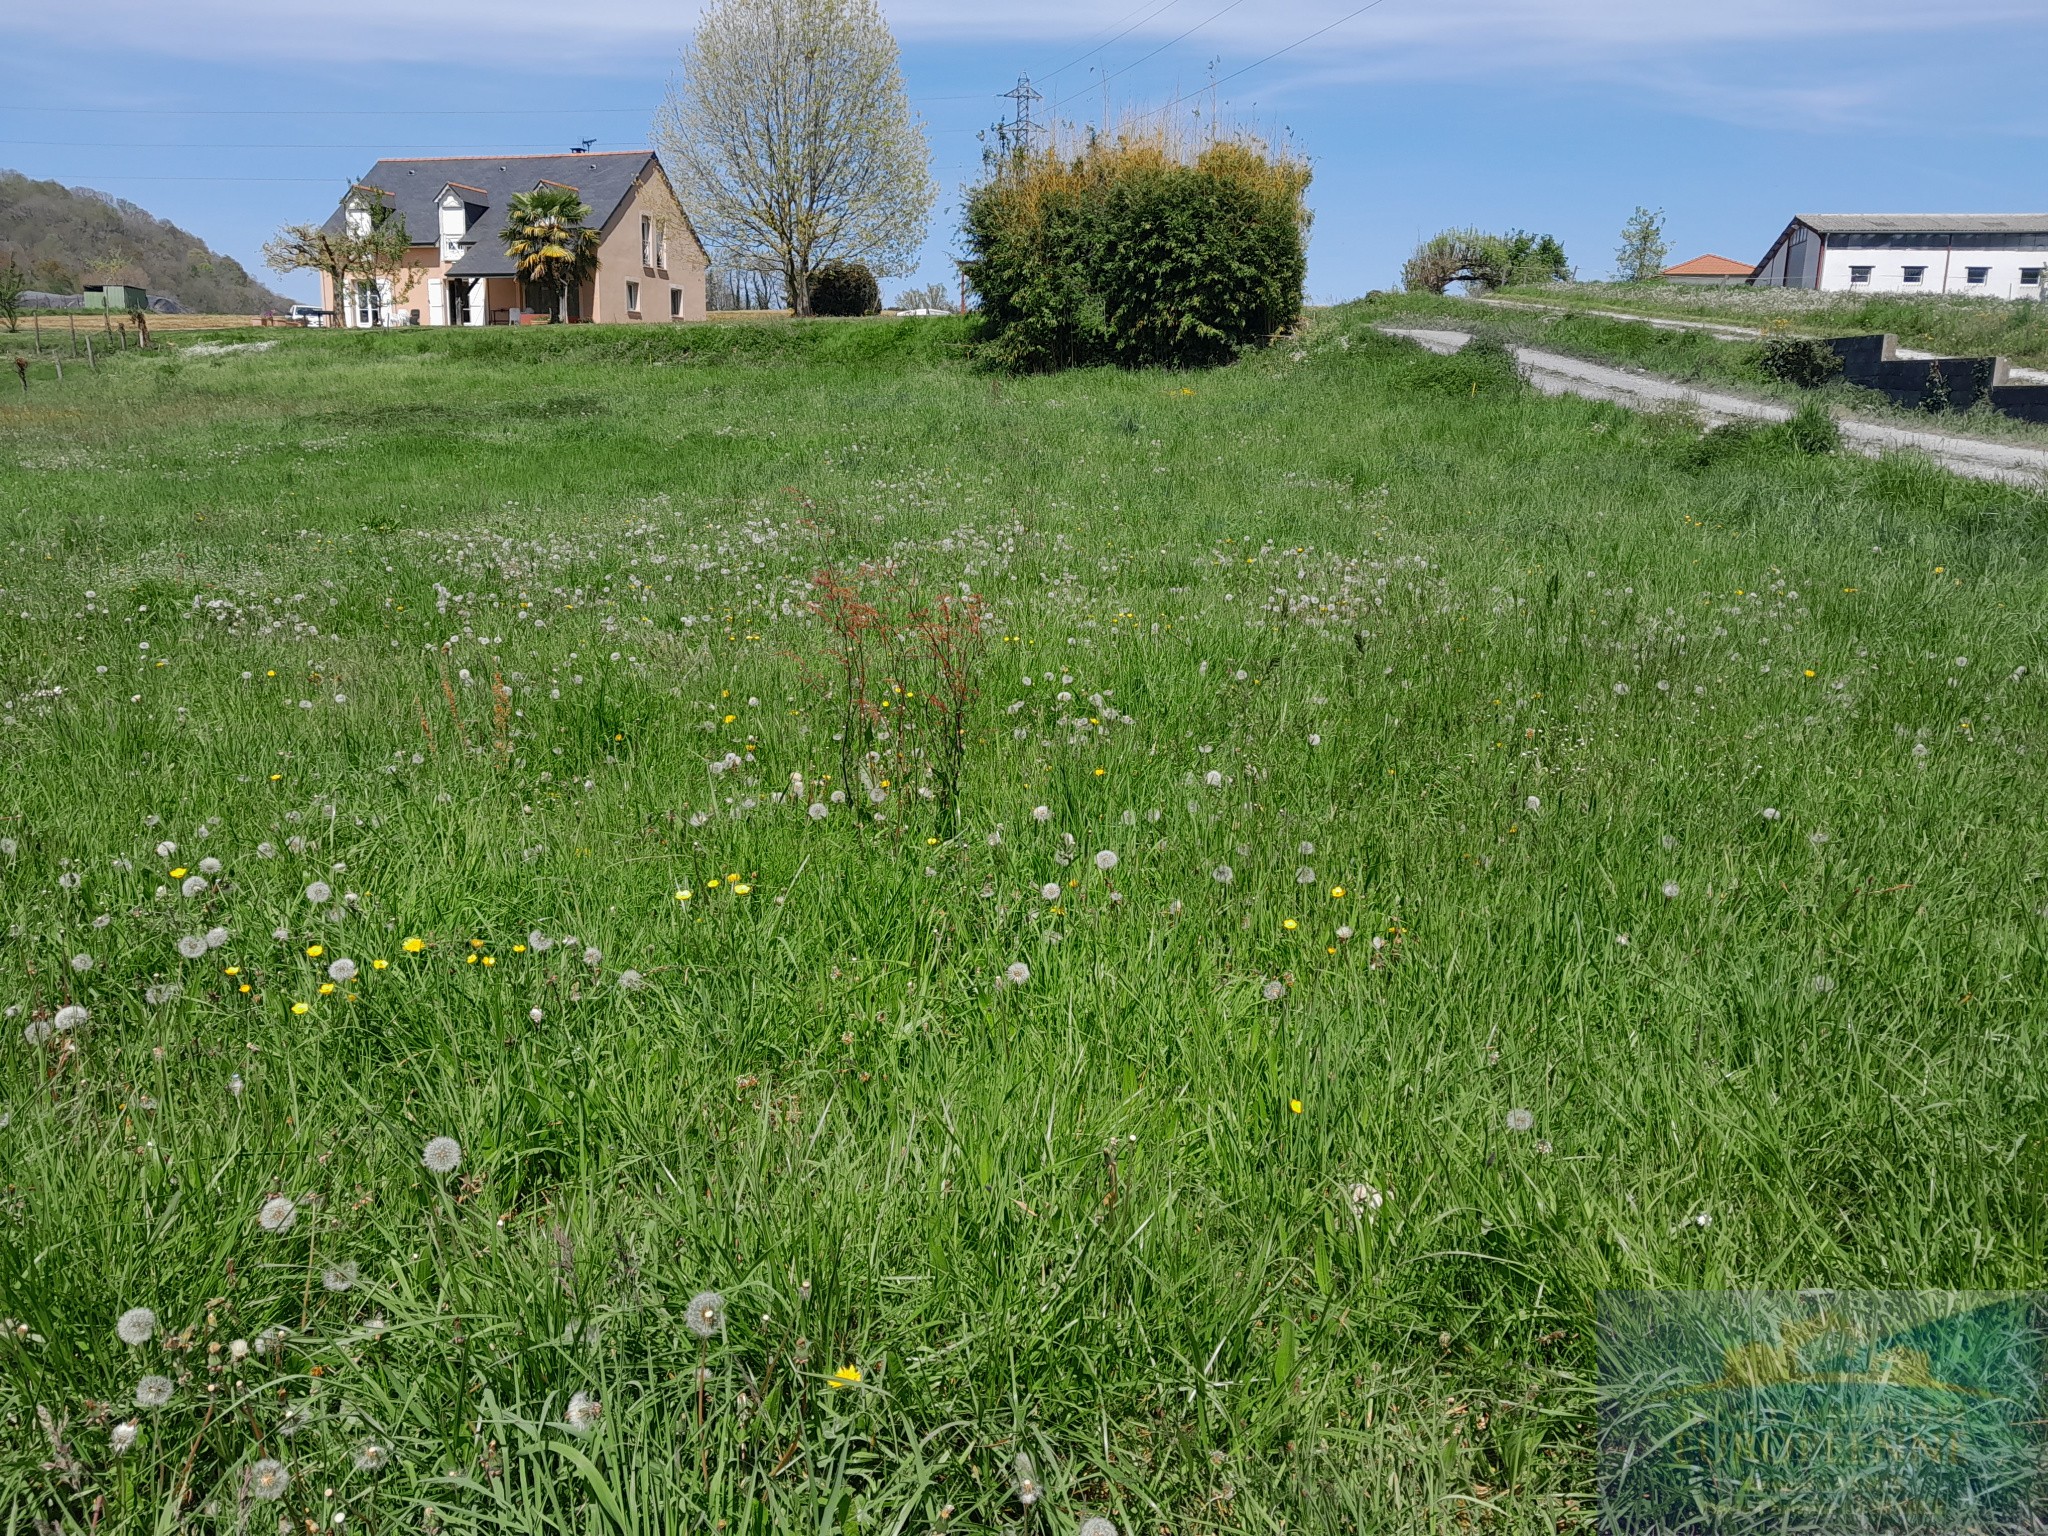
548	242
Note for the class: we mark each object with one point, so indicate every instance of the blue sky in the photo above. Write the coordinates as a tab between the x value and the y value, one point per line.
231	117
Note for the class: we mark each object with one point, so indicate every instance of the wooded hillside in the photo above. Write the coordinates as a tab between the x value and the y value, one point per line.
65	237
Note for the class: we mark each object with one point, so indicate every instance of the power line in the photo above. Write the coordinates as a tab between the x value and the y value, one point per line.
1191	31
1094	47
370	111
484	153
1276	53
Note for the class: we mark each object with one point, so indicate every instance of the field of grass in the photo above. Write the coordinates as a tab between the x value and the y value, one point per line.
1947	323
1424	854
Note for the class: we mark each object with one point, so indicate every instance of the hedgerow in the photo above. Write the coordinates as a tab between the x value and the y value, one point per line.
1137	251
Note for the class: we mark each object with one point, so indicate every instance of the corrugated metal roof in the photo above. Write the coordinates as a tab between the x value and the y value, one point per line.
1927	223
1710	266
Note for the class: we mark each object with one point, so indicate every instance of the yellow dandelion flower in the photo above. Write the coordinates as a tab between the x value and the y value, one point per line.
232	970
518	949
326	988
380	965
315	951
1290	924
743	889
244	986
302	1007
1100	772
413	946
1336	893
469	959
845	1376
177	874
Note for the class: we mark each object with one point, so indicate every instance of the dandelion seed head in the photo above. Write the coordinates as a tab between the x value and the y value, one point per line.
442	1155
1041	813
340	1277
1222	874
81	963
1521	1119
1105	861
582	1413
277	1214
215	937
707	1314
1050	890
136	1326
195	885
268	1480
819	810
122	1436
72	1016
593	956
1018	973
343	969
1671	890
192	946
319	893
154	1391
1304	876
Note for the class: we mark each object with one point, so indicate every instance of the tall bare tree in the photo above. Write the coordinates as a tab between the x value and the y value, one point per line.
790	139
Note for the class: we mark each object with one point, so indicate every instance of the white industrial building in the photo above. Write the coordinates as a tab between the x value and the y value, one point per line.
1993	255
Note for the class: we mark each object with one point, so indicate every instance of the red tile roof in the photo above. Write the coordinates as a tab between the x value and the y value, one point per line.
1710	266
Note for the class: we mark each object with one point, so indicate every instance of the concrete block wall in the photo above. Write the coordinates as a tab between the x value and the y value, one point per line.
1872	362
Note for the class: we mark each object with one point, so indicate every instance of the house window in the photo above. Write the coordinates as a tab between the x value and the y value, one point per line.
2030	277
646	244
1860	274
1915	274
369	304
661	244
1979	276
675	303
633	299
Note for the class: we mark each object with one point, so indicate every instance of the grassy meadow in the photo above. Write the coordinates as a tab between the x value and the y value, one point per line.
1422	854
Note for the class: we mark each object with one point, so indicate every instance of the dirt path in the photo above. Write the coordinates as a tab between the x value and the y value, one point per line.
1556	374
1715	328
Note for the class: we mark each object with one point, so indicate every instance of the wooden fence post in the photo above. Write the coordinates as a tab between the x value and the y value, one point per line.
90	362
74	334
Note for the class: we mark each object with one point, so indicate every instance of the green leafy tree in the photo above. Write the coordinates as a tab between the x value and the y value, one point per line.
13	282
1644	250
549	243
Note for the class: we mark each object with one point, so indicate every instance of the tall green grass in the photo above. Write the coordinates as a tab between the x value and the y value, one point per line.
1223	1216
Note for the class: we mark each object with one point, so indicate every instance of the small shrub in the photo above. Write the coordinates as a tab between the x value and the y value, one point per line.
1798	360
1813	429
1136	251
845	288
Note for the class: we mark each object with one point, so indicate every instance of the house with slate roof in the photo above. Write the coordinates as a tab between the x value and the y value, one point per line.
1990	255
651	266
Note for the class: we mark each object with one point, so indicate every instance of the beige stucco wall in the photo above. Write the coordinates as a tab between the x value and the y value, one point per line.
618	259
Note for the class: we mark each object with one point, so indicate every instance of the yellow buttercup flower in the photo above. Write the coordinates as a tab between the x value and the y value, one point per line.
315	951
302	1007
1295	1105
177	874
742	889
1290	925
380	965
1336	893
326	987
413	946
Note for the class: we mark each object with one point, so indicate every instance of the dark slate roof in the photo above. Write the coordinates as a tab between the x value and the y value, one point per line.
1926	223
415	187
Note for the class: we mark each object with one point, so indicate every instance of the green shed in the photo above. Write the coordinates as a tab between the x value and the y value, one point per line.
121	296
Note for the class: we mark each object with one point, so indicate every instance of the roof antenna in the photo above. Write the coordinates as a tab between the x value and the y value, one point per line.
583	148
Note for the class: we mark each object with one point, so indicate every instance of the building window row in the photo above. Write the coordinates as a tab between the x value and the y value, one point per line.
1975	277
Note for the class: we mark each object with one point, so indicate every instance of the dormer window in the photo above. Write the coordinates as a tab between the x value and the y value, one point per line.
357	216
458	212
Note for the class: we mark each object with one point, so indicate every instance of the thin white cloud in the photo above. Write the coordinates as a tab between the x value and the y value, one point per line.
1478	35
